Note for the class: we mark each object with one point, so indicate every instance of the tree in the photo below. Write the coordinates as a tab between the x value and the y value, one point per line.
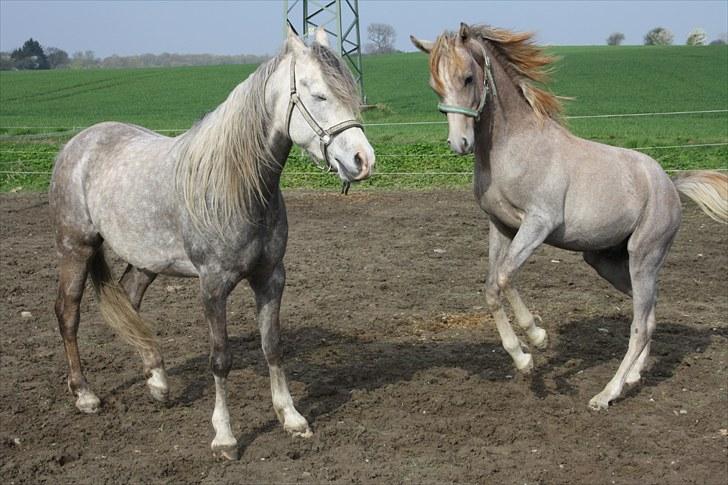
30	56
6	62
721	40
57	58
697	37
658	36
382	38
615	38
84	59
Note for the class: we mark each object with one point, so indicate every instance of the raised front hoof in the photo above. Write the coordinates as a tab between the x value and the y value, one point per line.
540	339
525	364
599	403
226	452
88	403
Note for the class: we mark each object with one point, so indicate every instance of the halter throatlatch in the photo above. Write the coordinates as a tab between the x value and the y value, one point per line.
325	135
488	85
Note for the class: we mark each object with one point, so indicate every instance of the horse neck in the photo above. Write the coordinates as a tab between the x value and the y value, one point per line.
505	117
229	164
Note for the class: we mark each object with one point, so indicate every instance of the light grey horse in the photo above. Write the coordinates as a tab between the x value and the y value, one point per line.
540	183
205	204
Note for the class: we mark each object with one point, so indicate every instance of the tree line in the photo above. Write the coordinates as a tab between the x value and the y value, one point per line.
33	56
662	36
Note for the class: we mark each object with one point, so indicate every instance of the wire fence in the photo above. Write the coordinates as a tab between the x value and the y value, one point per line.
70	130
67	129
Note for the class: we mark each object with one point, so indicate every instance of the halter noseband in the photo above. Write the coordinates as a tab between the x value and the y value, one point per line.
488	85
326	136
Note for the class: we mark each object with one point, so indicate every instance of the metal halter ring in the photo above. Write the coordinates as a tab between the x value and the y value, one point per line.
488	80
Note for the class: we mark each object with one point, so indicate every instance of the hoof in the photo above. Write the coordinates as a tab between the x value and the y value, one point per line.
307	433
298	426
226	452
598	403
541	339
525	365
87	402
159	394
158	386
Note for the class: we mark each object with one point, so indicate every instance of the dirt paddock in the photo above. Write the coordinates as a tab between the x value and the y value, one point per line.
390	354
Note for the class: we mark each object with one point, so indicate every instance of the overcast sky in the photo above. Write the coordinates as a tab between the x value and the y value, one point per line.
255	27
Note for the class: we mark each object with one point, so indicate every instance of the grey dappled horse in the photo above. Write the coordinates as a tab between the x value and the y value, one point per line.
205	204
540	183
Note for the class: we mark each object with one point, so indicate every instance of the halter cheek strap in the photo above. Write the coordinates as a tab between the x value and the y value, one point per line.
488	85
325	135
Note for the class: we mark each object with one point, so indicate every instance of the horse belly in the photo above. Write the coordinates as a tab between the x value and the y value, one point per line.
139	221
158	251
594	228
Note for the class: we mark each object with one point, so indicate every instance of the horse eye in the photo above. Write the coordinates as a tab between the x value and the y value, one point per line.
468	80
320	97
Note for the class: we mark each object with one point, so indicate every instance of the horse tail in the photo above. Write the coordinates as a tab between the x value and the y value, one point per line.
708	189
116	308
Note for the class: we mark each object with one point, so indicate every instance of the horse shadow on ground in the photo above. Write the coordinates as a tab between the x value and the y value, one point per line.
584	344
345	363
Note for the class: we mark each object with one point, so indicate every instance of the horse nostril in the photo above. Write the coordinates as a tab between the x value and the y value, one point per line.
360	161
449	143
465	143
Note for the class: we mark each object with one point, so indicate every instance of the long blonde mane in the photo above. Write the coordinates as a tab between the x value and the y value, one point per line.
222	159
525	62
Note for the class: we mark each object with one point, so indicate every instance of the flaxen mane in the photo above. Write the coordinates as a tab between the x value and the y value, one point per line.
524	61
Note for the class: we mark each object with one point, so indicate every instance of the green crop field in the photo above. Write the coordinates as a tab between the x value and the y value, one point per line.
39	111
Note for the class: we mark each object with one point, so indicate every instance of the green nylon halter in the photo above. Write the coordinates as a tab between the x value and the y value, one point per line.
488	80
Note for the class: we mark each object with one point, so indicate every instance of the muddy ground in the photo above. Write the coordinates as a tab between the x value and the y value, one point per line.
390	355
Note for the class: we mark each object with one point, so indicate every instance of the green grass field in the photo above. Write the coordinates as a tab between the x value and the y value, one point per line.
39	111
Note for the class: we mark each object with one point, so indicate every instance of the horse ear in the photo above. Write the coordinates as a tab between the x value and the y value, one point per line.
321	37
293	42
423	45
464	32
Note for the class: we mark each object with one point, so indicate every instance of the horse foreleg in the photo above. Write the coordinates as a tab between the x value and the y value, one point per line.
72	279
136	281
505	258
215	290
536	335
497	247
268	290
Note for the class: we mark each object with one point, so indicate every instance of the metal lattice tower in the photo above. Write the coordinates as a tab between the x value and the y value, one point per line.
340	19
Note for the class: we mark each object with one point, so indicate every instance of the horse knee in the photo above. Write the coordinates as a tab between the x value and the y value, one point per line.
220	362
492	296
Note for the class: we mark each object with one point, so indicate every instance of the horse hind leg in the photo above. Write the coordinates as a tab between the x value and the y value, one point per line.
136	281
645	260
613	266
72	279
